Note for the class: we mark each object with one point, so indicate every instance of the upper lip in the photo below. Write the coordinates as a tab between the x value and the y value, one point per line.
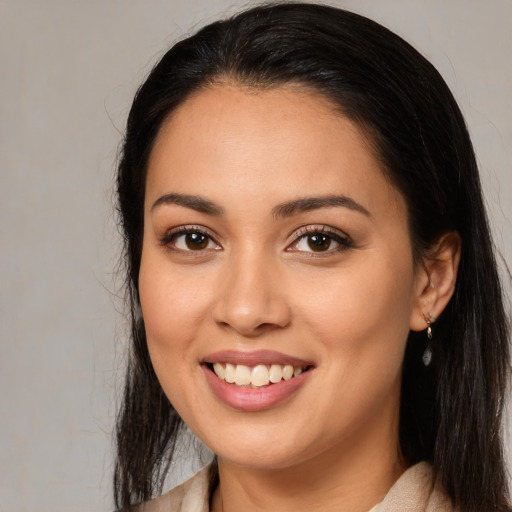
253	358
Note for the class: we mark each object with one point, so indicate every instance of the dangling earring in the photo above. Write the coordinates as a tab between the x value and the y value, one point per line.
427	355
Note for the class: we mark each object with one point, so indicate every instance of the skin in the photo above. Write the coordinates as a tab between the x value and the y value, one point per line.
257	285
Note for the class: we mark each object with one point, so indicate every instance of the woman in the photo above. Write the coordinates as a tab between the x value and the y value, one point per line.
312	280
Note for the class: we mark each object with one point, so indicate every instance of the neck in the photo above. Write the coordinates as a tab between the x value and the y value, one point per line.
349	477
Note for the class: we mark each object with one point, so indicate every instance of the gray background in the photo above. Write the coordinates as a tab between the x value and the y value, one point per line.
68	70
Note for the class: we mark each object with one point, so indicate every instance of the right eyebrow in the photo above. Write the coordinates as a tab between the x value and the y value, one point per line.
197	203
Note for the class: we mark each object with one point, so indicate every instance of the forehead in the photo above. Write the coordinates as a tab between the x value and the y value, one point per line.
282	142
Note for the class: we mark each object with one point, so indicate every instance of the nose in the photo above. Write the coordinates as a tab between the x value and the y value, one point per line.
251	299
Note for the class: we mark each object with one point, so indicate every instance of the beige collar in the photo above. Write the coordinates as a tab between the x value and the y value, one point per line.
415	491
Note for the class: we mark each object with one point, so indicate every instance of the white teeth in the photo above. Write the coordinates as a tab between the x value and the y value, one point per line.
229	375
257	376
219	370
260	376
276	373
242	375
288	372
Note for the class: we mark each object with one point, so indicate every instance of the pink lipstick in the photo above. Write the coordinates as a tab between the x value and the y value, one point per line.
275	377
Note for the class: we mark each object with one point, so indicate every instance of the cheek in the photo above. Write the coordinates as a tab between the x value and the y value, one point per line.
362	315
172	305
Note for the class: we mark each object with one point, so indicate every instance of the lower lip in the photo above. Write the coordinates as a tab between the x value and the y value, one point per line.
253	399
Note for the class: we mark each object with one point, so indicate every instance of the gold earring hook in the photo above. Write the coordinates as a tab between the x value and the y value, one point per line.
430	319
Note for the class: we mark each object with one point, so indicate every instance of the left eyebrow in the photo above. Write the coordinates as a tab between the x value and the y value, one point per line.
306	204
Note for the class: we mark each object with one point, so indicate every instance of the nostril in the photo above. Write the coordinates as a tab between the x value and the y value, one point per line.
250	303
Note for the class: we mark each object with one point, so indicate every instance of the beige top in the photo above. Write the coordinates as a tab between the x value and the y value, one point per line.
413	492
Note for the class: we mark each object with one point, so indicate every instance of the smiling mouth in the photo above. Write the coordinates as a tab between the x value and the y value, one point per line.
258	376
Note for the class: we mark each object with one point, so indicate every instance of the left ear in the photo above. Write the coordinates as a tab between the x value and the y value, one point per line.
435	280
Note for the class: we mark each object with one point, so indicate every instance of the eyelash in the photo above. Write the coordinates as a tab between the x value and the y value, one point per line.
333	234
170	237
344	241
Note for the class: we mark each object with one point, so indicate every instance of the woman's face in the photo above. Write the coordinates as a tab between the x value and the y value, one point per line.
273	244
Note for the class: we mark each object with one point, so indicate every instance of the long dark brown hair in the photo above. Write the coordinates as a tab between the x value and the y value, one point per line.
451	411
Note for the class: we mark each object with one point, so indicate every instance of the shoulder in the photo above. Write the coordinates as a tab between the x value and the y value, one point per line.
416	491
191	496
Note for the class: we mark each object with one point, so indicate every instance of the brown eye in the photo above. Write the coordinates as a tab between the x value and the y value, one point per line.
319	242
196	241
190	240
